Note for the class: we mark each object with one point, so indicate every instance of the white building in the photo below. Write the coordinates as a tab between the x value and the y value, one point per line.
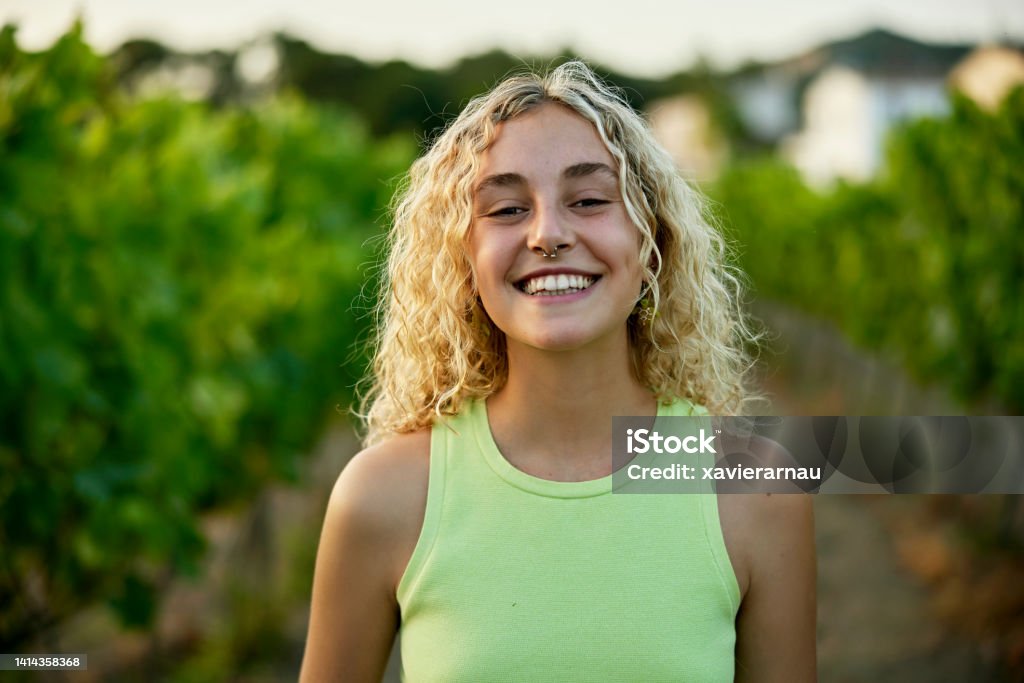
831	109
848	114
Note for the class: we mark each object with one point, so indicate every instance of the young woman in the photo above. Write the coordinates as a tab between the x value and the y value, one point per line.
548	271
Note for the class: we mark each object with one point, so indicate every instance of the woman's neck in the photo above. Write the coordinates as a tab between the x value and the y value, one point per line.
553	418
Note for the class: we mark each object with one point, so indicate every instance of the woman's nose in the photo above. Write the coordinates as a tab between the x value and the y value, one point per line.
549	233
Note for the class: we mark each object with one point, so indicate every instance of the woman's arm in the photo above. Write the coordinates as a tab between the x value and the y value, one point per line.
775	629
372	522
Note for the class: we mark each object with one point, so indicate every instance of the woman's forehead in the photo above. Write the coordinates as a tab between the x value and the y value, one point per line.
550	136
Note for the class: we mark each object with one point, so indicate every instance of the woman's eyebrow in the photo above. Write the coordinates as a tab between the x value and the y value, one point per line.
587	168
580	170
500	180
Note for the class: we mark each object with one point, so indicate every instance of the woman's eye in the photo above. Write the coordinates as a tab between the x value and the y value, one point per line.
507	211
590	202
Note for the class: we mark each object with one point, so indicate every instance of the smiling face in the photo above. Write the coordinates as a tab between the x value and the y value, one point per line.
548	184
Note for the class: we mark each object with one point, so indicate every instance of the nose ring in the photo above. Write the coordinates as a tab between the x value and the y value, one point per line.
552	255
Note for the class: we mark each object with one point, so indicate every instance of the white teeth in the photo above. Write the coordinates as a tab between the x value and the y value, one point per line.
553	285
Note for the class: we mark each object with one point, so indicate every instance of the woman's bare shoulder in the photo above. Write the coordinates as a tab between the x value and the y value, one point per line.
382	492
389	469
372	521
770	538
758	526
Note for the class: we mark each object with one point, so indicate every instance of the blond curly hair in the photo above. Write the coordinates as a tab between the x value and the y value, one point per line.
435	347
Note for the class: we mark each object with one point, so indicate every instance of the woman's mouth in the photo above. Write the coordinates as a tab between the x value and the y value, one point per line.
556	285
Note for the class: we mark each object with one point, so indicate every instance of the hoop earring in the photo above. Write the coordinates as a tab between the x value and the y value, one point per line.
645	311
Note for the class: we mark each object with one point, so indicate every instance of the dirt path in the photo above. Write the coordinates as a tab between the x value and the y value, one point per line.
875	622
875	618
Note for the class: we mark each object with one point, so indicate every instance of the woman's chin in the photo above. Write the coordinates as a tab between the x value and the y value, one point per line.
573	339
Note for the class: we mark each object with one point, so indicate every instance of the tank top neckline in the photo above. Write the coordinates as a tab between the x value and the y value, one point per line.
481	428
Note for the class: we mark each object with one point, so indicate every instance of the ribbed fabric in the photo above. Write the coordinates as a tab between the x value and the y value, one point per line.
517	578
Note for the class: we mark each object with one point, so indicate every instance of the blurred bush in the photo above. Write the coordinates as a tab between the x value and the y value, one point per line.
176	319
924	264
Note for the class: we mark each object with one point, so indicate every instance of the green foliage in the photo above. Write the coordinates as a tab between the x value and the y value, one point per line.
177	292
963	181
925	264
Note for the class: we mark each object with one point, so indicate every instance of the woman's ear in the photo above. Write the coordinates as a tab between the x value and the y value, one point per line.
654	260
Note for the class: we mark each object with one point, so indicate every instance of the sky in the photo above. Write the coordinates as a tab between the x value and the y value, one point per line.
643	37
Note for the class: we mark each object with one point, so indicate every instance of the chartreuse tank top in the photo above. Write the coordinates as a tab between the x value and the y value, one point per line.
517	578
